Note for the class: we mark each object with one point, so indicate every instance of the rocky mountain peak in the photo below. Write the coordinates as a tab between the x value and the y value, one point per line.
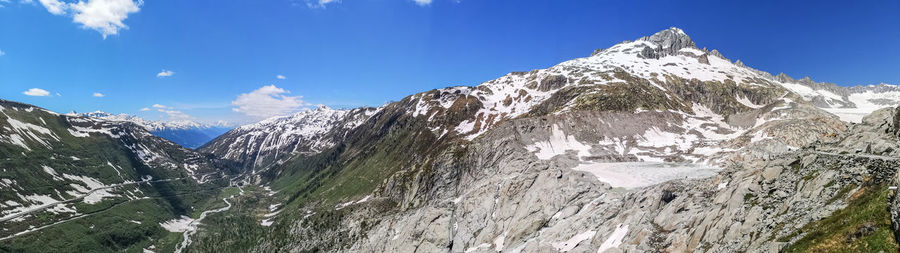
784	78
672	39
667	42
716	53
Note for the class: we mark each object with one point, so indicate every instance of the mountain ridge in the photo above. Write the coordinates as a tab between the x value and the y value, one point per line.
187	133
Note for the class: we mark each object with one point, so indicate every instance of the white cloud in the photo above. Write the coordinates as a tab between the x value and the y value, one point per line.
104	16
2	53
165	73
320	3
422	2
55	6
267	101
278	76
145	109
175	114
159	106
98	94
36	92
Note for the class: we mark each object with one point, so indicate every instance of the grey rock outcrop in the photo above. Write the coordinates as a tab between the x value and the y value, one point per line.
669	41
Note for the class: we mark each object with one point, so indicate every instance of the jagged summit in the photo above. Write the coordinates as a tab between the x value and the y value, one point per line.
671	39
665	42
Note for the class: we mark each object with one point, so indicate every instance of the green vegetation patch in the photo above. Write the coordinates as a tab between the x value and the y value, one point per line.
863	226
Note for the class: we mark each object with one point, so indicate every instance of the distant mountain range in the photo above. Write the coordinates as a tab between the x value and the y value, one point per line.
189	134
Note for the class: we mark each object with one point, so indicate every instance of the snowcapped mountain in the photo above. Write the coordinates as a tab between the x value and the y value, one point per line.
272	140
702	103
189	134
664	100
686	137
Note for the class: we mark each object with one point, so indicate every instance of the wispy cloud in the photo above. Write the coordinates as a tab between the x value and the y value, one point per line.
165	73
54	6
2	53
36	92
175	114
104	16
321	4
278	76
267	101
98	95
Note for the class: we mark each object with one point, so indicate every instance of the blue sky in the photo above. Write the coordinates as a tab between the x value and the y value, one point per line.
224	56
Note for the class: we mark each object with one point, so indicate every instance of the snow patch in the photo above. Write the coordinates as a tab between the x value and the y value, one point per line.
179	225
342	205
52	173
558	144
630	175
615	239
748	103
97	196
574	241
480	246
